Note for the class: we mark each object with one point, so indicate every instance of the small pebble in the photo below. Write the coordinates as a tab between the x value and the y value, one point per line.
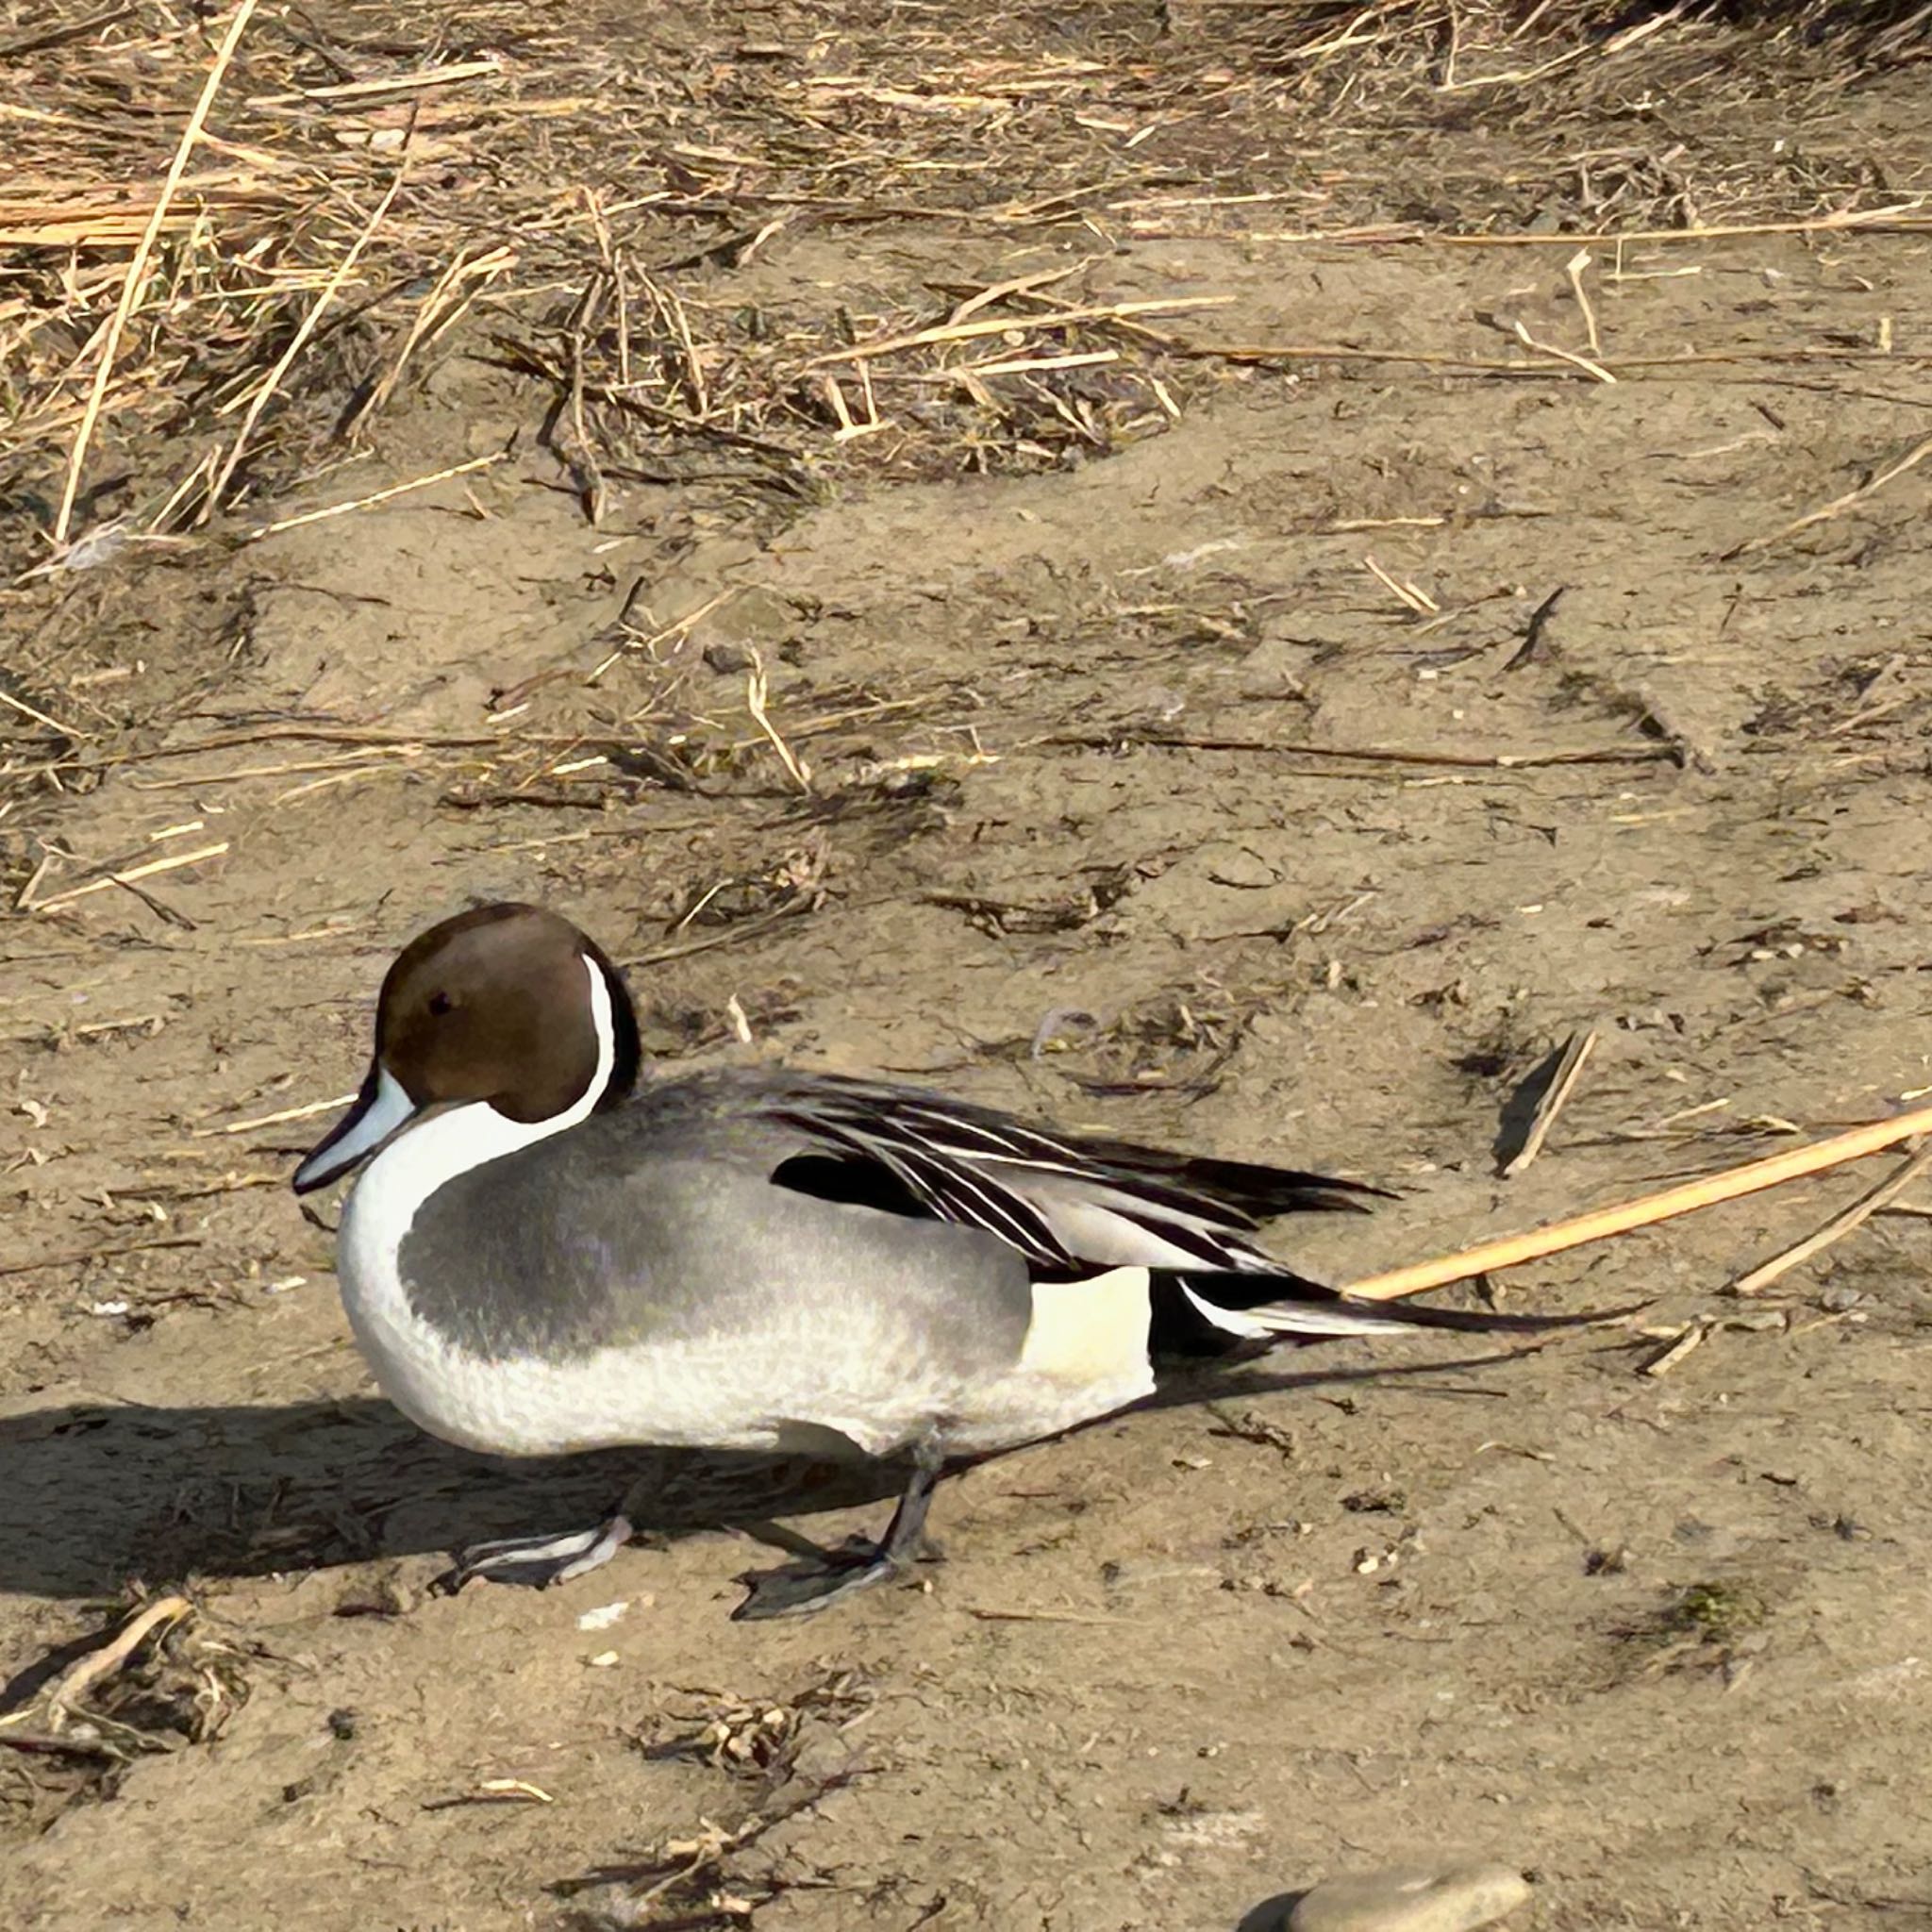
1410	1898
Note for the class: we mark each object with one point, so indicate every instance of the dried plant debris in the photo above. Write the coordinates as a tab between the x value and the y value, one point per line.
232	242
234	247
796	876
713	1878
785	1756
1098	891
810	746
162	1681
1532	1109
761	1737
1177	1042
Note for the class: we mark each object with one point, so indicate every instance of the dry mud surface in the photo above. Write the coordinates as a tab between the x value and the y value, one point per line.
1083	836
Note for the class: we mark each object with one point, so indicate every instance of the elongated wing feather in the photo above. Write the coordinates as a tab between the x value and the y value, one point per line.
1061	1200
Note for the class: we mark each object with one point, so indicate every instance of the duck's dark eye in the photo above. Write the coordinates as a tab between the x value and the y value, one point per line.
439	1003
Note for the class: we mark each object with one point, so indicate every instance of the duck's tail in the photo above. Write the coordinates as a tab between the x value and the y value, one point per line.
1220	1313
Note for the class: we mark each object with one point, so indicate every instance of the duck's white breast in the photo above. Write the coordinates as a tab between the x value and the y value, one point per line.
784	1387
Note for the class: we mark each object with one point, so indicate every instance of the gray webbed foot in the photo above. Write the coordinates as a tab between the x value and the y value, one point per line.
538	1562
802	1590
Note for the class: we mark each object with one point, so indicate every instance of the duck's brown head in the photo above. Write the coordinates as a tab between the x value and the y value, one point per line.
508	1006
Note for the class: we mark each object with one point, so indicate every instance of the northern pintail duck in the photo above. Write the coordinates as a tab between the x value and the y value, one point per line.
544	1253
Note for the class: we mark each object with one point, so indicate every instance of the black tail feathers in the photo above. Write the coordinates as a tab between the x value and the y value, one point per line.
1226	1313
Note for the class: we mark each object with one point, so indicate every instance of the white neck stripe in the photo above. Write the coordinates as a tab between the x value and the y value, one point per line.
604	1018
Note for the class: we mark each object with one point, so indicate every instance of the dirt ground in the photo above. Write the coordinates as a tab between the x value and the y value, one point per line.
1087	831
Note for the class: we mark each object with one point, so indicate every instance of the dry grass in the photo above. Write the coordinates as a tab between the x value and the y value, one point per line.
163	1681
360	186
194	328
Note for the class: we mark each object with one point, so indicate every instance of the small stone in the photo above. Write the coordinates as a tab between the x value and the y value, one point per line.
1410	1898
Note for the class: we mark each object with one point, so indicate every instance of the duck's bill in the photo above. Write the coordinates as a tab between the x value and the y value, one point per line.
380	1110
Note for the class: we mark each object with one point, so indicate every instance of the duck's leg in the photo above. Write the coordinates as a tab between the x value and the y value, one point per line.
801	1590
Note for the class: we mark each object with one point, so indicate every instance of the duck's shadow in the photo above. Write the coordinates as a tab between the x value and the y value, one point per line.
1271	1915
93	1496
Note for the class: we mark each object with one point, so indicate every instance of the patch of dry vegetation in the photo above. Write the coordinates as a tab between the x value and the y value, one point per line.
233	244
